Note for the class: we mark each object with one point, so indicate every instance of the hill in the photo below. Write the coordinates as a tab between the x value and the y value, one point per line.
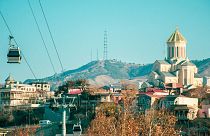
101	71
110	71
203	66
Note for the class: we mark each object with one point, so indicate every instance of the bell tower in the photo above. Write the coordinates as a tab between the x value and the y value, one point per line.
176	46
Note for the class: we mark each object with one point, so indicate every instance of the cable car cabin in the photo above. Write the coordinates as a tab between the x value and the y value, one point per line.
77	129
13	55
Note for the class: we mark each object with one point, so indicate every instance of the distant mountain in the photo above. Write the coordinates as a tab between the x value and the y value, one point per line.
203	66
109	71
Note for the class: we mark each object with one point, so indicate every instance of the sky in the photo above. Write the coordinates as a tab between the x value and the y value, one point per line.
137	32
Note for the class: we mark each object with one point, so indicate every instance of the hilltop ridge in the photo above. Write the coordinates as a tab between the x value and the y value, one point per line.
109	71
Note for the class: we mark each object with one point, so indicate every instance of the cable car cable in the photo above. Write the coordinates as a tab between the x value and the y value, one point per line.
41	36
51	35
17	45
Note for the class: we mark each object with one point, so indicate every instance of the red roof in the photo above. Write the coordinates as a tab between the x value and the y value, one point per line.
74	91
154	90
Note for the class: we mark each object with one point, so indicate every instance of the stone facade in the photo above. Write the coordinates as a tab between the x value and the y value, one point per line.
176	68
14	93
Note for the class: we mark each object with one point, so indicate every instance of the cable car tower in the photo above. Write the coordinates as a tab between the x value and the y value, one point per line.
13	55
64	106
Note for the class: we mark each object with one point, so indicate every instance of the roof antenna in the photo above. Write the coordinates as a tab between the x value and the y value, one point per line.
91	55
97	55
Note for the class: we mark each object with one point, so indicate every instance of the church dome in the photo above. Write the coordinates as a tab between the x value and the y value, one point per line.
176	37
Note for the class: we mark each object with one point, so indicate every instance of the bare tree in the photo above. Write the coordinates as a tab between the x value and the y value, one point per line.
120	120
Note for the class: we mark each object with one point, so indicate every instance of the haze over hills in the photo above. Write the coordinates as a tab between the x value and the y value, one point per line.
110	71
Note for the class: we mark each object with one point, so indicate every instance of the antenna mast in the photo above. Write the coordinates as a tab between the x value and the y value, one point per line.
105	46
97	55
91	55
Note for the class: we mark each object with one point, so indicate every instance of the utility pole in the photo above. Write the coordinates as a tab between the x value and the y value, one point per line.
29	117
86	107
64	117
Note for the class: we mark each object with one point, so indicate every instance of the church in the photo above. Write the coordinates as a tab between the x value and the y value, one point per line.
176	68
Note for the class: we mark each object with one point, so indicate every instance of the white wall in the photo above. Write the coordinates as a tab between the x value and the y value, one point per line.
186	101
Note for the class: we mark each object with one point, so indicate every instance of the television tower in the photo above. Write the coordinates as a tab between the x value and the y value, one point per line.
105	57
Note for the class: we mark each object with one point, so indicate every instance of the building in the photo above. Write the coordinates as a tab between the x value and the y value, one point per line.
185	108
14	93
43	90
176	68
44	86
144	86
146	101
206	81
150	98
204	112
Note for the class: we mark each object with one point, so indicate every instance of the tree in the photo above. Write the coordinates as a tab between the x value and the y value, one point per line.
23	131
73	84
105	121
6	118
199	92
157	122
122	120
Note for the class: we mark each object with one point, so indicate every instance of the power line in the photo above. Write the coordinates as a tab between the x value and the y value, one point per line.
51	35
41	36
17	45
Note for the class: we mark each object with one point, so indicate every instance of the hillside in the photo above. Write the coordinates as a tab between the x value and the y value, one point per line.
101	71
110	71
203	66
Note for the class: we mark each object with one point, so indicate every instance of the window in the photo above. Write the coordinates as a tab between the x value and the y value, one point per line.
177	51
172	51
169	52
185	76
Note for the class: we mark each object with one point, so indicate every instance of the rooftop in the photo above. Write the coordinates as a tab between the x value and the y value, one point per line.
168	74
163	62
188	63
176	37
197	75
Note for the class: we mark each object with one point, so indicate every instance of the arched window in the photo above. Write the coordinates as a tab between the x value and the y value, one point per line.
172	51
177	51
169	48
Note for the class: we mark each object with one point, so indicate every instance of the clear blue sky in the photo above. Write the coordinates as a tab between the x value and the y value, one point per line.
137	31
